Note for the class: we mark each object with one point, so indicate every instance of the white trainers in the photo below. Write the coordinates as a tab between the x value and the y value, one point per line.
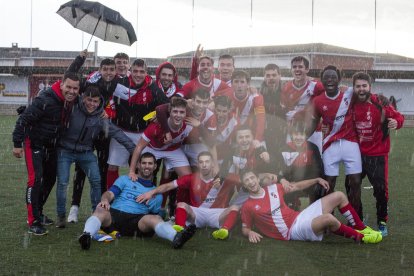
73	214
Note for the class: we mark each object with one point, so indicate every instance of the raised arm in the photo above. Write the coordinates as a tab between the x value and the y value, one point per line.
134	159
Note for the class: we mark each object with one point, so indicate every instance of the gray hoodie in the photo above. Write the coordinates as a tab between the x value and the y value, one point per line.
84	128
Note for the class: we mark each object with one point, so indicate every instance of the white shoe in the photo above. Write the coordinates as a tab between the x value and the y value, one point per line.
73	214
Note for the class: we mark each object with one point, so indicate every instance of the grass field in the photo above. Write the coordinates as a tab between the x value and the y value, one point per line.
59	253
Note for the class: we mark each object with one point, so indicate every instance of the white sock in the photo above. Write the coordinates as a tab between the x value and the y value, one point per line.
92	225
164	230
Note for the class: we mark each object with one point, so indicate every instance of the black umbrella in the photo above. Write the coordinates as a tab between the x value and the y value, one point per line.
98	20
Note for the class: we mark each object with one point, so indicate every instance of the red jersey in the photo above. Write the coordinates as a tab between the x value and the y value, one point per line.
214	86
294	99
208	121
250	111
154	135
269	214
367	117
224	137
336	114
203	194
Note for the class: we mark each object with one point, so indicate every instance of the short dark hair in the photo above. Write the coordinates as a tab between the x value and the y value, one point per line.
361	76
91	91
299	59
107	61
298	126
246	171
204	153
227	56
332	67
271	66
206	57
147	155
178	102
222	100
201	93
121	56
71	75
244	127
140	63
168	66
240	74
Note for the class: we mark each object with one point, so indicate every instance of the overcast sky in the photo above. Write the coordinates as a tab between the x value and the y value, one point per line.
168	27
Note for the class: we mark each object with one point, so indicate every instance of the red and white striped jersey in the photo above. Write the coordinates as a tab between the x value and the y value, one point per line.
154	135
203	194
336	114
269	214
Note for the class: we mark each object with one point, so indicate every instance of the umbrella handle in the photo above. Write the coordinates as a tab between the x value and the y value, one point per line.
99	19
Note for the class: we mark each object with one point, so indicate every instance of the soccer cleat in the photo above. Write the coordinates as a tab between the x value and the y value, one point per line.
115	234
44	220
101	236
372	238
182	237
221	234
60	222
367	230
382	227
37	229
85	240
73	214
178	228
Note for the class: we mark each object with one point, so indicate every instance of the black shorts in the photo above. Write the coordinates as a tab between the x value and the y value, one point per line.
127	224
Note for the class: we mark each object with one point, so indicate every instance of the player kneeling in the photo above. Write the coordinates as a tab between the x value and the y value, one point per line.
267	211
130	217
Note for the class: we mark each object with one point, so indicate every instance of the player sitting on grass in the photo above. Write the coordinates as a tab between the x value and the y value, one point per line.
267	211
209	198
128	216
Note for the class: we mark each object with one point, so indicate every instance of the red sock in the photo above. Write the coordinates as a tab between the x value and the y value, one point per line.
348	232
230	220
180	216
350	214
111	176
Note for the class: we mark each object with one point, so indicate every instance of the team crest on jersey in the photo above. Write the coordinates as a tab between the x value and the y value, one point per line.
257	207
324	108
369	116
346	101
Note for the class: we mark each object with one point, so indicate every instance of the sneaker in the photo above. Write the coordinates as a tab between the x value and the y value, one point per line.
37	229
372	238
60	222
221	234
85	240
73	214
178	228
367	230
382	227
44	220
182	237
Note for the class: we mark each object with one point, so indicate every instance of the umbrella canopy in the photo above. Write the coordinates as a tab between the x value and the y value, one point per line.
98	20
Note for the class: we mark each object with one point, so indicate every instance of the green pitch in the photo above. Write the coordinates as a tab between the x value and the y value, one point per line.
59	253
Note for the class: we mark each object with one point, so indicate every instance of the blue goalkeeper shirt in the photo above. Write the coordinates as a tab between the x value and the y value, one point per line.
126	191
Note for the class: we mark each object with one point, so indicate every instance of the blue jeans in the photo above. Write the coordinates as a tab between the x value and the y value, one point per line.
89	164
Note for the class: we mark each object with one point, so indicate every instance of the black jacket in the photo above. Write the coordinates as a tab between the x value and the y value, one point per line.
106	88
132	103
42	121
